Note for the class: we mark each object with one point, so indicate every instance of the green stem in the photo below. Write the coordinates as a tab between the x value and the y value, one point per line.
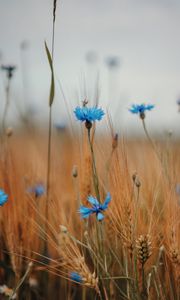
50	133
95	176
144	289
99	229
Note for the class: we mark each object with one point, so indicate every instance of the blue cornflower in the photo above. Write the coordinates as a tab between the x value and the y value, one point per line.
3	197
88	114
96	208
76	277
9	70
178	189
38	190
178	103
140	109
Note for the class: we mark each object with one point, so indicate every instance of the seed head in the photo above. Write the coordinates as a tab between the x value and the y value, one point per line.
74	171
63	228
175	256
143	246
9	70
115	141
9	131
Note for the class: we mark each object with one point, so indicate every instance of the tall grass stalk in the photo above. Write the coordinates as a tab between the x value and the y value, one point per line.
7	103
48	176
50	116
99	226
95	175
20	283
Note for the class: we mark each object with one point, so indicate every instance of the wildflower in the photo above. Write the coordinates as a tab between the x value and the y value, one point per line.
178	188
60	126
113	62
140	109
178	103
3	197
38	190
76	277
88	115
96	208
9	70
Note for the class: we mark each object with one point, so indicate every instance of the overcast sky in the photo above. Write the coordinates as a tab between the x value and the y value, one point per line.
143	34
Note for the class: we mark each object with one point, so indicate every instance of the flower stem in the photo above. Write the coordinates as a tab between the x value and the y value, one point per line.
150	140
99	228
95	176
164	169
6	105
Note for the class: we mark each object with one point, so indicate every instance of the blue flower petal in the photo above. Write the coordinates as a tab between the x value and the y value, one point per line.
76	277
97	208
140	108
100	216
149	107
106	201
38	190
134	109
93	200
3	197
88	114
85	211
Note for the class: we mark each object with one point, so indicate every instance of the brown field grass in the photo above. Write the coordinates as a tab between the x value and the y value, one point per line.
138	253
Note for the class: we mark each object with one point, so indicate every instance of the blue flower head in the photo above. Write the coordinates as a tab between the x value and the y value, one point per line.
76	277
9	70
140	109
3	197
97	208
38	190
88	114
178	103
178	189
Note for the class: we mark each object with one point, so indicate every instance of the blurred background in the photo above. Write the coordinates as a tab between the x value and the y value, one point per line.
121	51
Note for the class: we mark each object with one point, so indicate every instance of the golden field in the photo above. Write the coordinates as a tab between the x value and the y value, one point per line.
133	253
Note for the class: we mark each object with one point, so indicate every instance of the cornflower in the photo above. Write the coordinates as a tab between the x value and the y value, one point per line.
76	277
3	197
178	103
88	115
9	70
97	208
140	109
38	190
